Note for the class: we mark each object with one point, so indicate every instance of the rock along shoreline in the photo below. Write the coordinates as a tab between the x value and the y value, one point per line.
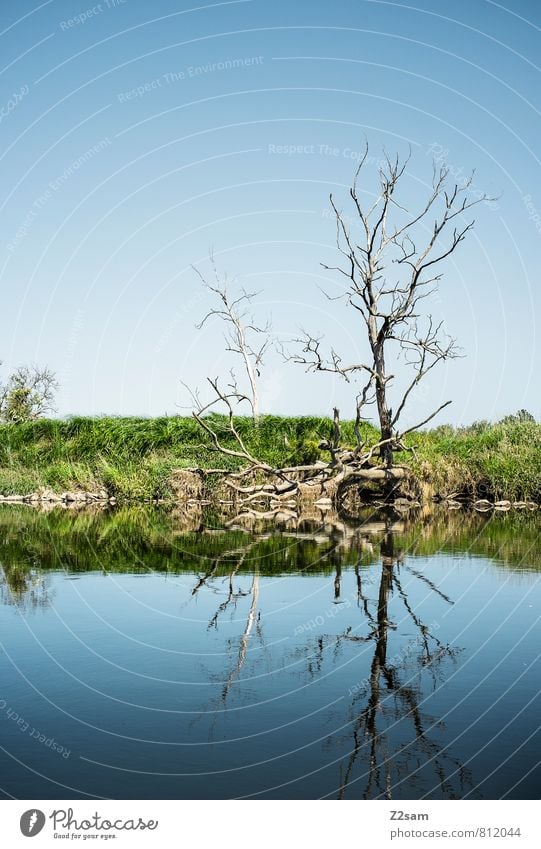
47	496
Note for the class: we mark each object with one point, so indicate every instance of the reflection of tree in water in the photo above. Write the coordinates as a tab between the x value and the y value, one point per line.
312	544
23	586
252	618
395	741
390	702
236	557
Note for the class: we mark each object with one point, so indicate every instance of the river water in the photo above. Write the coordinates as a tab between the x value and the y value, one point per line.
146	655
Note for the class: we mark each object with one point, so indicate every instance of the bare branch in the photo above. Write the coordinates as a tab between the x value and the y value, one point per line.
310	356
244	337
227	399
425	421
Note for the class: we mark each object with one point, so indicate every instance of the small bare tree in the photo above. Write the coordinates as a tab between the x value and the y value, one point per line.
28	394
391	262
244	337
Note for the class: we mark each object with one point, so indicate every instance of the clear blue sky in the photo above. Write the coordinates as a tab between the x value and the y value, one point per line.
136	136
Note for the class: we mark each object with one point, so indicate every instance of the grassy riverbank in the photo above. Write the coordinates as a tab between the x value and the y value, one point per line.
133	457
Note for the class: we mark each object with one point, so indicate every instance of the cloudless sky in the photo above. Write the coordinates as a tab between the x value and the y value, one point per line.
137	136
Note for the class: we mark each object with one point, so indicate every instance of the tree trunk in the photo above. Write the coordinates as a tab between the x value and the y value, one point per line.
384	413
386	451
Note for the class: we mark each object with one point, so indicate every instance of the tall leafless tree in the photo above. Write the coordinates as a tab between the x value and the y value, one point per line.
391	261
244	337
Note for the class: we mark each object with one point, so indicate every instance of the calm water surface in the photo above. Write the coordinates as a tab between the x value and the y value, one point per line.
144	658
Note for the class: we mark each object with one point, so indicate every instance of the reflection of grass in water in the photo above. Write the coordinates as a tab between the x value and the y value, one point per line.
139	539
135	538
511	538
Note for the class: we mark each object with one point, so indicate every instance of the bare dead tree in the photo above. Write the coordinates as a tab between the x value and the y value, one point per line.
244	337
389	266
390	263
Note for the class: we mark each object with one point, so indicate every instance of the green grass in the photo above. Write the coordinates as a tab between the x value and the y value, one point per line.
496	461
132	457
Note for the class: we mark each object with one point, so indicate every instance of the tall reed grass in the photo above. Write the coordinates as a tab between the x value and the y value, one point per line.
133	457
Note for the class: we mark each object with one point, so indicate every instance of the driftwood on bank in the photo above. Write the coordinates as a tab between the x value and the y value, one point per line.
266	494
259	483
